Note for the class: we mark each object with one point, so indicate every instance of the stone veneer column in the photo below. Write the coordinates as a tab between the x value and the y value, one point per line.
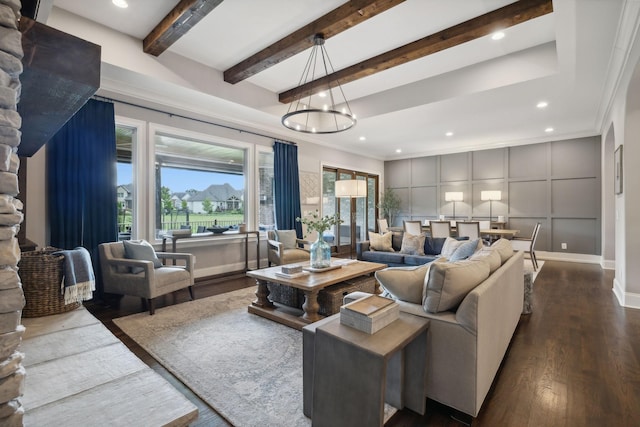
12	373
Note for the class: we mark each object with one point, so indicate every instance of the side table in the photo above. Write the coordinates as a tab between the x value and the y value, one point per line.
354	373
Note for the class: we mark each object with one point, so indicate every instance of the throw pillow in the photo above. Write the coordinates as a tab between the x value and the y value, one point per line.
449	247
287	238
504	248
464	251
412	244
403	283
491	255
447	284
140	250
433	245
380	242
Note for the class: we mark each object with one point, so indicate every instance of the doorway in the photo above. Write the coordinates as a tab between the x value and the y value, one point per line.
358	214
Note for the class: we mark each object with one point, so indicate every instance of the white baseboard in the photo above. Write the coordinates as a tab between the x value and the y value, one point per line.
569	257
608	264
227	268
625	299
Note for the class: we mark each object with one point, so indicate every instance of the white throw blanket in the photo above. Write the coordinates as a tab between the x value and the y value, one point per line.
78	282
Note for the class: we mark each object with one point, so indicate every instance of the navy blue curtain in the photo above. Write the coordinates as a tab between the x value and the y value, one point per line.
286	187
81	182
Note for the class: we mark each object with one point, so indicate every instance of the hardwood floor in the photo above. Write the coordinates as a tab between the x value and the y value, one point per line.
574	361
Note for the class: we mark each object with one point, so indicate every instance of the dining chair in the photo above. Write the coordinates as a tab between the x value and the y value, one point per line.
528	245
412	227
383	225
470	229
440	228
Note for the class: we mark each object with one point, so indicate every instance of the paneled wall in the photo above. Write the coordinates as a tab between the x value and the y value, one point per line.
555	183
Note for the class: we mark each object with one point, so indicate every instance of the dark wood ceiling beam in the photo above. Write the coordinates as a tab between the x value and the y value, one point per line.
507	16
338	20
177	23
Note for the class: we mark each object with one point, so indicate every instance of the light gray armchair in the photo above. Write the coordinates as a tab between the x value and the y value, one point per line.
149	283
285	248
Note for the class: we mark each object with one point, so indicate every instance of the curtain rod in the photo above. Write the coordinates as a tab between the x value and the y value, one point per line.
104	98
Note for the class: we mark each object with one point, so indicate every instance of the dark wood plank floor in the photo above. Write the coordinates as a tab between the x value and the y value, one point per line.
575	361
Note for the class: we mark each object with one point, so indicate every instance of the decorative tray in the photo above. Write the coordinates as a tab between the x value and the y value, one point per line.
321	270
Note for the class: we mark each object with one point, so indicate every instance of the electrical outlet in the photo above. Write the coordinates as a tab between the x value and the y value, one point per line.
563	245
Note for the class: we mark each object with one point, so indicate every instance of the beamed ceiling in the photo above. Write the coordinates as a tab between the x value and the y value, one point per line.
413	70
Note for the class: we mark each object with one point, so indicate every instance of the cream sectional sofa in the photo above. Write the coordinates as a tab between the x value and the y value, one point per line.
467	342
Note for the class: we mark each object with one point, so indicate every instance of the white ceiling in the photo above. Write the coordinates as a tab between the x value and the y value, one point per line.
484	91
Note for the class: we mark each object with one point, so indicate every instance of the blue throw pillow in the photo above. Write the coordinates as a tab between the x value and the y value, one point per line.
140	250
464	251
433	245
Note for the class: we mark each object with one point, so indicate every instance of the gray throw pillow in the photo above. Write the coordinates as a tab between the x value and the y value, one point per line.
504	248
404	283
464	251
448	283
380	242
140	250
491	255
412	244
287	238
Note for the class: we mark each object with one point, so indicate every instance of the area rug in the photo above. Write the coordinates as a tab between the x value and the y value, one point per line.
249	369
528	266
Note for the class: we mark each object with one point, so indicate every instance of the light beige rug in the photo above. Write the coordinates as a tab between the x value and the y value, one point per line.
247	368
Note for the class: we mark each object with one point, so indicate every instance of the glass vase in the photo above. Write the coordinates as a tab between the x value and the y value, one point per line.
320	253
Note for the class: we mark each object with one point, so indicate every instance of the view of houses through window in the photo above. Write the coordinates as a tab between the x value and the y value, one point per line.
197	185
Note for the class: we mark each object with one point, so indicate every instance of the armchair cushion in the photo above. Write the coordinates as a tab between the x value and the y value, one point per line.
381	242
287	238
140	250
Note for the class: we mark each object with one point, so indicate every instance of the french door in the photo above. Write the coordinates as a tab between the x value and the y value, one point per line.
358	214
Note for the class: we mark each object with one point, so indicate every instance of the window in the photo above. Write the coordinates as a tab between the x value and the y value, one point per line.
198	183
126	137
266	211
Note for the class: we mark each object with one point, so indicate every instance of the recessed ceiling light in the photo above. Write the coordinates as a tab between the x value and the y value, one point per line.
322	94
120	3
542	104
363	138
497	35
449	133
548	130
398	150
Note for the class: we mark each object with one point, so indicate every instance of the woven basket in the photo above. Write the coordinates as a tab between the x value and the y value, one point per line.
41	274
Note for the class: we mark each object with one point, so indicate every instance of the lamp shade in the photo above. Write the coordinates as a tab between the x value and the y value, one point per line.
351	188
491	195
453	196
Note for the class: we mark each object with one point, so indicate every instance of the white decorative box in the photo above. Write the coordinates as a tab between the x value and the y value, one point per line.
369	314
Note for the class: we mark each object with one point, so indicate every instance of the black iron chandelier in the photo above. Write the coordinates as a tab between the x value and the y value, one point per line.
319	111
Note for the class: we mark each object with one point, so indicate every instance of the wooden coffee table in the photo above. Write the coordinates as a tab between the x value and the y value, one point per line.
310	284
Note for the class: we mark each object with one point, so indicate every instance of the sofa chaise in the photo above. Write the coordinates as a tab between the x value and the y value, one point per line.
474	307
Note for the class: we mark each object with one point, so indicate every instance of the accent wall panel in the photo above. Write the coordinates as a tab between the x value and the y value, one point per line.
488	164
397	174
528	161
580	235
424	171
575	158
578	198
454	167
424	202
528	198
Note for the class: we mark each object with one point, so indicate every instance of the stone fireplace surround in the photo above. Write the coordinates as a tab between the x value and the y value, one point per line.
12	372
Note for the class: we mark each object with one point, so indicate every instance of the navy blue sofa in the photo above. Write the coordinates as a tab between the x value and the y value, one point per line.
432	249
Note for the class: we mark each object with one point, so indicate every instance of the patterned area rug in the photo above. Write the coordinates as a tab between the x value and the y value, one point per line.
247	368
